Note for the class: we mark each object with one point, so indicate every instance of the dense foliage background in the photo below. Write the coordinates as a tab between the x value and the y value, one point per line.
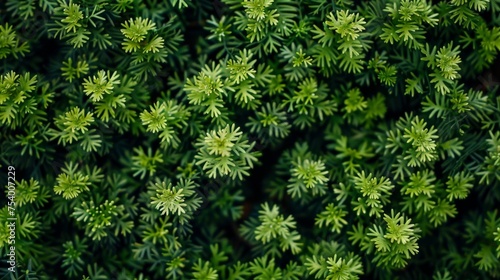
254	139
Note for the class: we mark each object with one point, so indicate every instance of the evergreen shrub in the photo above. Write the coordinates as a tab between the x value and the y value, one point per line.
250	139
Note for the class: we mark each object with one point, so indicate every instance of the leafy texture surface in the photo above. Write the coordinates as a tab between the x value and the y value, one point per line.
250	139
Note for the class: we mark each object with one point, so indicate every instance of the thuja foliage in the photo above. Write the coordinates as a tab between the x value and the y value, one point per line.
251	139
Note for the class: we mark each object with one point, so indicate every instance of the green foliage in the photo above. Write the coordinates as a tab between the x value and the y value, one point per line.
274	226
99	219
332	261
10	43
396	242
458	186
271	121
335	268
100	85
82	67
306	175
374	194
226	152
332	215
16	97
207	88
167	118
135	31
255	139
406	26
73	256
180	200
144	163
71	182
